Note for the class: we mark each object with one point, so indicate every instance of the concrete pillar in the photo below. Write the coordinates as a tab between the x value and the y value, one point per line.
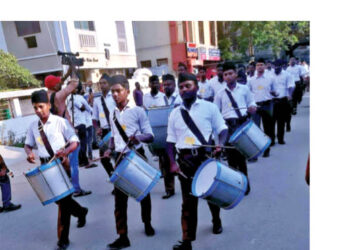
16	107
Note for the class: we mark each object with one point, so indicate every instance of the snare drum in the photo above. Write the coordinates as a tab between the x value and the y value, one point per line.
103	144
50	182
134	176
158	118
250	140
219	184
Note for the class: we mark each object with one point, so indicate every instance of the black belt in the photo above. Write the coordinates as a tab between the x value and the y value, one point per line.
264	103
191	151
281	99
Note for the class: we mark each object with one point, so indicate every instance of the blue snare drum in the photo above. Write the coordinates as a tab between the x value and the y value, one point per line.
250	140
158	118
219	184
103	144
134	176
50	182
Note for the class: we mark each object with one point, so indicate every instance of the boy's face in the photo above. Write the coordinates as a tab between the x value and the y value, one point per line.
104	85
119	93
169	86
42	109
154	85
230	76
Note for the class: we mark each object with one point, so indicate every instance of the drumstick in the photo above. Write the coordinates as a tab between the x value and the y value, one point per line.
121	153
214	146
53	158
182	174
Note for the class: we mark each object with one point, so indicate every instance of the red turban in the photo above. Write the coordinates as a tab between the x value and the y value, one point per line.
51	81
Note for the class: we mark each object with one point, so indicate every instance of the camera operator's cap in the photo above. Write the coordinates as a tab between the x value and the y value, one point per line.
51	81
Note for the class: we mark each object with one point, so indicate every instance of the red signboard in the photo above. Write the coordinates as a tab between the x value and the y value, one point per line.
192	51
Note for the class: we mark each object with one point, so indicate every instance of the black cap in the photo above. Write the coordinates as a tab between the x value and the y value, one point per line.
40	96
187	77
228	65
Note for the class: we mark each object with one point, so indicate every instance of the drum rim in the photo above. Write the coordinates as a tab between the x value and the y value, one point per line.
241	196
262	150
49	165
149	188
195	178
66	193
122	165
33	171
238	133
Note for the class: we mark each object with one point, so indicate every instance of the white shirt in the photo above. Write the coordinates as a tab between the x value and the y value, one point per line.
99	114
269	73
57	130
131	120
283	81
216	85
79	116
261	87
150	101
242	96
296	71
175	99
205	115
205	90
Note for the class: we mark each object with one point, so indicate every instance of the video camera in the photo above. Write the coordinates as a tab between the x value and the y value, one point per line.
68	58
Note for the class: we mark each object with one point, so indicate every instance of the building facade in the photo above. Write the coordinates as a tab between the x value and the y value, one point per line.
163	44
106	46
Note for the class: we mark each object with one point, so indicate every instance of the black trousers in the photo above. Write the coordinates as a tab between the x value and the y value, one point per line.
281	111
66	207
106	162
188	165
297	94
121	205
265	113
83	160
164	165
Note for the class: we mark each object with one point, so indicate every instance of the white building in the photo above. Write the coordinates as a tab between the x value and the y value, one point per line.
106	46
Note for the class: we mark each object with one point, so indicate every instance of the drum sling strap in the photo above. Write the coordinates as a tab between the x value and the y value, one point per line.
120	129
45	140
234	104
192	126
105	110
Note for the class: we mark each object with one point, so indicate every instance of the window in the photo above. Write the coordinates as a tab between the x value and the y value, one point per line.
31	42
84	25
122	43
212	33
25	28
201	32
146	64
87	40
162	61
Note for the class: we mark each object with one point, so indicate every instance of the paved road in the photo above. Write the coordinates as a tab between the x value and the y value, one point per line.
275	216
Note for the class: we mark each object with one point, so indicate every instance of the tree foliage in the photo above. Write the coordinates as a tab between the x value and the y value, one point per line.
13	75
248	36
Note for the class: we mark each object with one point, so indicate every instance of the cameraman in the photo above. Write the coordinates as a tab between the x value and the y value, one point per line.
57	97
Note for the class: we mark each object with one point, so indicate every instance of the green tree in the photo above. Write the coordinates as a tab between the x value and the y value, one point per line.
248	36
12	75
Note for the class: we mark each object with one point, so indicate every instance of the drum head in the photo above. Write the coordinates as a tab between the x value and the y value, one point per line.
205	178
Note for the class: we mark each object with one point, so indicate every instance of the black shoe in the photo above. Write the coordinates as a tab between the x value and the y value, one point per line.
120	243
149	231
272	144
1	209
266	153
253	159
288	128
62	245
11	207
168	195
183	245
217	228
81	193
82	218
281	142
248	189
93	165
